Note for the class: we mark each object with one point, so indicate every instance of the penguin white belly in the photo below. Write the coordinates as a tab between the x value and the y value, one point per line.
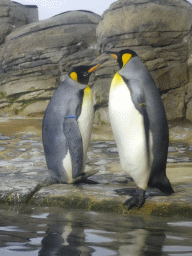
85	121
129	132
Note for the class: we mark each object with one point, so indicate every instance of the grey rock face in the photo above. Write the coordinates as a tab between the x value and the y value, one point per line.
50	47
160	33
35	58
14	15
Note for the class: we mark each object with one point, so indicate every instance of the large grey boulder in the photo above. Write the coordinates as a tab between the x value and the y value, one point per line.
160	32
14	15
36	57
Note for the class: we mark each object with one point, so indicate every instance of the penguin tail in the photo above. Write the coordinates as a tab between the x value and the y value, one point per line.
162	183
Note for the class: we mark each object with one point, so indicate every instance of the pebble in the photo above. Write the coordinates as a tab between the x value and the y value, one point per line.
36	150
119	179
172	149
100	146
21	165
25	136
98	142
101	162
111	142
4	163
4	137
4	143
97	151
2	148
178	159
112	150
21	142
104	182
184	159
171	160
102	169
21	149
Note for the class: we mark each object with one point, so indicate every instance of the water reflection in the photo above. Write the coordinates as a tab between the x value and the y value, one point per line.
56	232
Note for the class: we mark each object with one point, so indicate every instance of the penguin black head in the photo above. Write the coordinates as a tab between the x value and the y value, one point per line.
122	56
82	73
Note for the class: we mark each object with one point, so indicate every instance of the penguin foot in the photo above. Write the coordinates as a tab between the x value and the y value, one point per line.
83	177
136	200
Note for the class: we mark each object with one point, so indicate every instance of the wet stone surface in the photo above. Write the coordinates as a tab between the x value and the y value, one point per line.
23	168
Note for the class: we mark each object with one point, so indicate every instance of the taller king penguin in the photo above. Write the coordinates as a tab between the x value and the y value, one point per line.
139	124
67	126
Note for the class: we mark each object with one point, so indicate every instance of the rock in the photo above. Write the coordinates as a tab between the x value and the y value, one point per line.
111	142
119	179
35	108
4	137
163	43
172	160
189	111
97	151
102	116
101	162
100	146
174	103
160	33
21	149
172	149
49	49
112	150
14	15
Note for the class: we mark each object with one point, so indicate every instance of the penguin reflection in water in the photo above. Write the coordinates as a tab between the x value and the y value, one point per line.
139	125
67	126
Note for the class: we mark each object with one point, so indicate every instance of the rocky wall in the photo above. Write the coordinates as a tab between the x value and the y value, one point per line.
160	32
14	15
35	58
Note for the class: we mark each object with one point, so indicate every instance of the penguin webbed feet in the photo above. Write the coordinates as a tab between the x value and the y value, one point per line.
136	200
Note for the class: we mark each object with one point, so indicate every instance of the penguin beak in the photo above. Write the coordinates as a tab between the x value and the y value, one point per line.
96	65
113	54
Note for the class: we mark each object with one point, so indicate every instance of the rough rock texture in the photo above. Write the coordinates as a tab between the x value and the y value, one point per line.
14	15
35	58
49	49
23	168
160	32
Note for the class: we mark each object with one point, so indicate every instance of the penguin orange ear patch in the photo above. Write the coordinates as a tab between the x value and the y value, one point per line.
114	55
73	76
125	58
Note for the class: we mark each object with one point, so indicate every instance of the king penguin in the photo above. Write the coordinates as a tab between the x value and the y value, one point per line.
67	126
139	125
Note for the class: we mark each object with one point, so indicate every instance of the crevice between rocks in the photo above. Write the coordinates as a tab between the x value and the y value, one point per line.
51	27
33	192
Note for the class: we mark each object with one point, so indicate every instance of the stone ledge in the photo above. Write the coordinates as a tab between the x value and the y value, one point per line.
23	168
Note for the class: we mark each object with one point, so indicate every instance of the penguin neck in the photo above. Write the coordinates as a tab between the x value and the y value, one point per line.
75	84
87	89
87	93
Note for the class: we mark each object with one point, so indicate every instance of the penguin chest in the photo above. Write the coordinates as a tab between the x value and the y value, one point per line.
85	120
129	132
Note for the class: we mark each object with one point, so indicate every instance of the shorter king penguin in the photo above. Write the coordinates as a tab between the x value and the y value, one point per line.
139	124
67	126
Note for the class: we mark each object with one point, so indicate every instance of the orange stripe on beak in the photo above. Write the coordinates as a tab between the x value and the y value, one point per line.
93	68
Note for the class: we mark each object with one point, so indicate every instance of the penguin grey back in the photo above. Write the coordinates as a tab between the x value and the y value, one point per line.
56	131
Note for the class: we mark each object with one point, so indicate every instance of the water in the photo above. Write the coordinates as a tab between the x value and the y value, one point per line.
53	231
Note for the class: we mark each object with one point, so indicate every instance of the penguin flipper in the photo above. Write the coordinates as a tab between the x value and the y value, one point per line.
136	200
139	102
75	144
138	98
